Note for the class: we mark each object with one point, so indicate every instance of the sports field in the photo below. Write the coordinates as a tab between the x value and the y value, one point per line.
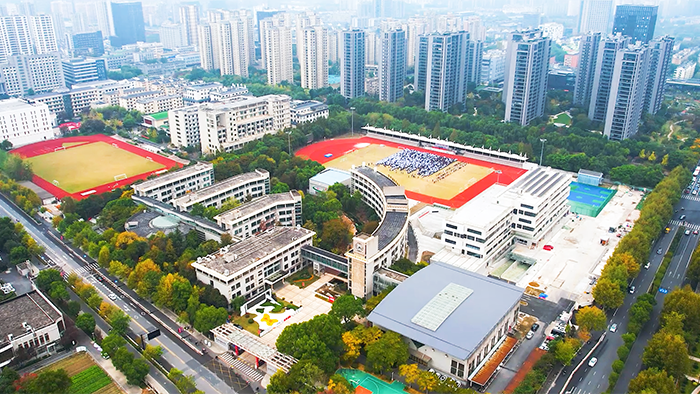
453	185
86	166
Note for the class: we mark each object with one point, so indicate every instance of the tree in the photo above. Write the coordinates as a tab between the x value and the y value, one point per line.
387	352
121	358
52	382
335	236
103	258
565	350
46	278
410	372
152	352
667	352
58	291
687	303
8	377
591	318
608	294
280	383
208	317
119	321
237	303
184	383
337	384
346	307
17	169
136	371
86	322
318	340
73	308
375	300
652	380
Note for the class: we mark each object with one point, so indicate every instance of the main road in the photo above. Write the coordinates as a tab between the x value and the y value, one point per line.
175	352
594	380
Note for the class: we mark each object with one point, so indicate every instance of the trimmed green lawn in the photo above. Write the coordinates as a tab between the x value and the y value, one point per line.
562	118
253	328
303	278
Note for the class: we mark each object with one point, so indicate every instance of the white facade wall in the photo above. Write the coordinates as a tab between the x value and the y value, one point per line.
22	123
169	186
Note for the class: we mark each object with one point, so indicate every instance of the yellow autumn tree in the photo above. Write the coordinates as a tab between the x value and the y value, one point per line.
106	309
642	154
127	238
427	381
137	276
652	157
410	372
664	160
352	345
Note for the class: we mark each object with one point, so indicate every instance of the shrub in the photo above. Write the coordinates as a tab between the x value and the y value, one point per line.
623	352
250	321
617	366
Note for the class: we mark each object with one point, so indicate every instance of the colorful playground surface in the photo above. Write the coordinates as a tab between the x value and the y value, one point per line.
86	165
365	383
453	185
589	200
266	318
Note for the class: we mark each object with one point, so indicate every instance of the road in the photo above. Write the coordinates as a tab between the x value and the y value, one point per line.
175	352
594	380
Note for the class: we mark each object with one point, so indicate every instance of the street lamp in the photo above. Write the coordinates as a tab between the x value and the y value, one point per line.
542	140
352	122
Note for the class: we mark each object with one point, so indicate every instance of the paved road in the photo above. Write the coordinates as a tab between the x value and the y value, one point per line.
175	352
594	380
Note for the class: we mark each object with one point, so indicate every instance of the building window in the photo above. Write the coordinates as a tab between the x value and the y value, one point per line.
457	369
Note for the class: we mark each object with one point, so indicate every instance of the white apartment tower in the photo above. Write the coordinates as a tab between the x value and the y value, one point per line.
26	35
333	53
595	16
627	92
659	59
603	77
189	22
392	65
414	28
525	84
43	34
278	54
588	52
352	63
312	51
225	45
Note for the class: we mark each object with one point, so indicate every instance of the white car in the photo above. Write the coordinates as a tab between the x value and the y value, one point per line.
529	335
112	296
592	362
613	328
80	349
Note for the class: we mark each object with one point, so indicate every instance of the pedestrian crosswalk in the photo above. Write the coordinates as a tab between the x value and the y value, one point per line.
690	197
85	269
241	367
689	226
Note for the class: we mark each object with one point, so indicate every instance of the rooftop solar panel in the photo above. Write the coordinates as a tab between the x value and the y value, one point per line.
440	307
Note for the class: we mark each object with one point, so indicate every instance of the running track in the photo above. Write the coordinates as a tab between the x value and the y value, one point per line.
44	147
341	147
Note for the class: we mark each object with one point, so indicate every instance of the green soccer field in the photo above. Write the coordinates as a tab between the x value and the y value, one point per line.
87	166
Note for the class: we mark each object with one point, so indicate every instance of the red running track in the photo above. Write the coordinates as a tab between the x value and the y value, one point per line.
341	147
44	147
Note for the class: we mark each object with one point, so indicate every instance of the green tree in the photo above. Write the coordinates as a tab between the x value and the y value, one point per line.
119	321
121	358
136	371
7	378
335	236
318	340
46	278
237	303
667	352
17	169
73	308
608	294
52	382
86	322
184	383
591	318
346	307
387	352
565	350
103	258
58	291
208	317
112	342
152	352
652	380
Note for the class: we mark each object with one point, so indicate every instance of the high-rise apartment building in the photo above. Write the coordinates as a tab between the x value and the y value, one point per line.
26	35
445	65
392	65
352	63
127	19
333	52
414	28
225	45
170	35
43	34
312	51
588	53
594	16
525	84
636	21
603	76
627	92
103	12
88	44
660	54
277	36
189	22
493	65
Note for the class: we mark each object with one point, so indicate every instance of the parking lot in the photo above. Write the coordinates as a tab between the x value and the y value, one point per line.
306	299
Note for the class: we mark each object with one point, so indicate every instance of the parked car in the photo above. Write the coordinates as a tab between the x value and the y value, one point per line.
535	327
659	251
80	349
529	335
682	217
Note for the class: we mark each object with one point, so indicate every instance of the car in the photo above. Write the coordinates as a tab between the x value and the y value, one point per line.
80	349
631	289
613	328
682	217
659	251
529	335
687	232
695	192
112	296
104	355
592	362
535	326
695	232
647	265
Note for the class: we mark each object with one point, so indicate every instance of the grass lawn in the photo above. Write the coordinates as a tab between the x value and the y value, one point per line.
253	328
303	278
69	144
87	377
90	165
562	118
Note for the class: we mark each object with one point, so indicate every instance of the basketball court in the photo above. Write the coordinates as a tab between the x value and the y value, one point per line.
453	185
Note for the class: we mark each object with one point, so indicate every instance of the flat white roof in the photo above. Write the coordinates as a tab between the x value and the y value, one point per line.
485	208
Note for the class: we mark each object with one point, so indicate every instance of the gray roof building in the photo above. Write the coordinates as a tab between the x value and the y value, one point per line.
447	308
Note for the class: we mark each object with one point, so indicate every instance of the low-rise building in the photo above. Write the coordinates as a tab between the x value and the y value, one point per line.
156	120
229	93
172	185
303	111
327	178
453	320
83	70
250	267
225	127
240	187
200	93
129	100
184	126
261	213
22	122
29	321
159	104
